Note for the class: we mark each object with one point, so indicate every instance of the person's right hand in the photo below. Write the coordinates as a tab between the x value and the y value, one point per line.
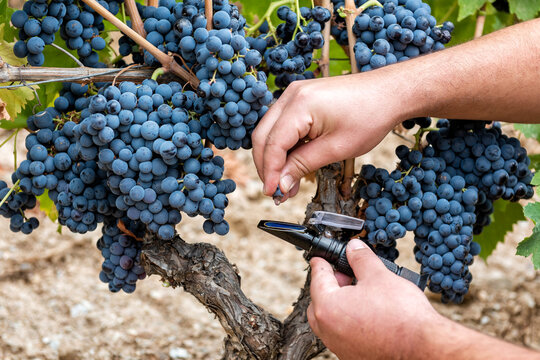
382	316
343	117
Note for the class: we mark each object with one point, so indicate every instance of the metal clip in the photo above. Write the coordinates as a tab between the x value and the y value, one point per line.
335	220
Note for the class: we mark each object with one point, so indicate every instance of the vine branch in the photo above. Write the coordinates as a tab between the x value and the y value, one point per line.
167	61
209	13
135	17
324	63
204	271
83	75
480	22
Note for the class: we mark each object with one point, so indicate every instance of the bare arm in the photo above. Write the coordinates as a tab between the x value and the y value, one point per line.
384	316
496	77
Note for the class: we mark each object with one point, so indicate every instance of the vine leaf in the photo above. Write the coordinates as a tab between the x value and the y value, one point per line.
12	101
47	206
524	9
505	215
535	161
470	7
531	245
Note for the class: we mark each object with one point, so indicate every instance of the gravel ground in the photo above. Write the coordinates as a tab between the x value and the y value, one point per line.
52	305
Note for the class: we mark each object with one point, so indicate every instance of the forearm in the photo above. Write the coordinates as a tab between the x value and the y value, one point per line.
496	77
445	339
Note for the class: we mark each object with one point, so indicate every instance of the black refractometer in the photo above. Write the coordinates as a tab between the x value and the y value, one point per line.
313	240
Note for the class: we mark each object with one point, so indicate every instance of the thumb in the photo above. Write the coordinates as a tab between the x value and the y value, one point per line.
363	261
305	159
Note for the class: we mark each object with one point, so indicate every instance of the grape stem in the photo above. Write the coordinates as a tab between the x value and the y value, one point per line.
9	192
9	138
15	149
300	18
167	61
68	54
419	134
154	3
368	4
157	73
266	17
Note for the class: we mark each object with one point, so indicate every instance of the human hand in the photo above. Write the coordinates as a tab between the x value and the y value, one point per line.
382	316
343	117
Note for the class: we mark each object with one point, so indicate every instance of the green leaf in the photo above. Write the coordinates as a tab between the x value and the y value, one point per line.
339	61
14	101
536	179
532	211
535	161
529	130
47	206
524	9
18	123
469	7
6	50
531	246
505	215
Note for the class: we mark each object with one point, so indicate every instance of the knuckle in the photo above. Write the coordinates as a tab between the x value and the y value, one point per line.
301	164
319	314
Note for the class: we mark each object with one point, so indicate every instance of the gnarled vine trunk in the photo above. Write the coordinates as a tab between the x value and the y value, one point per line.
204	271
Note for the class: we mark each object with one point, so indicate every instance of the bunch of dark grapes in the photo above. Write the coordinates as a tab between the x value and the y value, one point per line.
79	25
37	22
235	94
397	31
121	266
300	35
444	193
153	156
494	163
14	206
81	30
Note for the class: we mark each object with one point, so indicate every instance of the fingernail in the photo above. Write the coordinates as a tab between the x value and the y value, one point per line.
286	183
356	244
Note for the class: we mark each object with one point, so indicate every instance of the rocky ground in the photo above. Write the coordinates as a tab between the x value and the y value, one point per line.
52	305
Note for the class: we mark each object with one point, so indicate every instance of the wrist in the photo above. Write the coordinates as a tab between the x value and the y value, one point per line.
423	342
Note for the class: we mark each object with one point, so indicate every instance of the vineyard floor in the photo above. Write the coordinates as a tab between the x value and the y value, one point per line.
53	306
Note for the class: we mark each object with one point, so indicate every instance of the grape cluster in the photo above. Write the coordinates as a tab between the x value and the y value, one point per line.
397	31
14	207
37	22
121	267
155	162
235	94
300	35
79	26
444	193
81	30
494	163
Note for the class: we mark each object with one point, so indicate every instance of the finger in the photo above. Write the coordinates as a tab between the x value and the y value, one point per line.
309	157
312	320
364	263
288	130
290	194
323	280
342	279
260	134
